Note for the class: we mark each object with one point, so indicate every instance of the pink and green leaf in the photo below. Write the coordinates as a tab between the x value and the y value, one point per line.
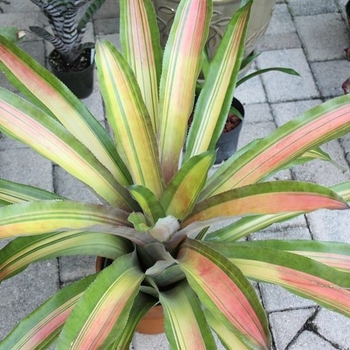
51	95
101	315
128	118
185	324
22	251
225	292
227	338
50	139
298	274
32	218
12	192
142	304
333	254
181	65
286	144
139	37
42	327
248	225
266	198
216	96
184	188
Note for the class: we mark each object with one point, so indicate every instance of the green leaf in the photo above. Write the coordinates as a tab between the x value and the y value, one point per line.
266	198
139	37
333	254
248	225
142	304
40	328
31	218
13	34
21	252
51	95
227	338
102	313
29	124
225	292
300	275
181	65
216	96
262	71
149	203
12	192
286	144
185	324
128	117
183	190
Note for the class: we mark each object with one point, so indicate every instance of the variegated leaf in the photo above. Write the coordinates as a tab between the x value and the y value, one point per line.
31	218
50	94
22	251
321	124
102	313
224	291
139	37
42	327
128	118
50	139
12	192
183	190
216	96
185	324
266	198
300	275
181	66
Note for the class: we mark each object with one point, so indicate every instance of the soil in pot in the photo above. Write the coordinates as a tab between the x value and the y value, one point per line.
78	75
226	146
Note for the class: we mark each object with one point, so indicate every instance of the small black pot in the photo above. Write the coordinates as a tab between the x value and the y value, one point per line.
81	83
227	143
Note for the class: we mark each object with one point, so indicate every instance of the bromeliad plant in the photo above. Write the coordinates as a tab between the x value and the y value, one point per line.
158	205
67	29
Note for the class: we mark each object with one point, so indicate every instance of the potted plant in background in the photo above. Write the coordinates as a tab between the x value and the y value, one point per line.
158	205
222	13
71	60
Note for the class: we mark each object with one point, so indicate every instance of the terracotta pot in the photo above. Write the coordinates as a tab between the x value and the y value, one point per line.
153	321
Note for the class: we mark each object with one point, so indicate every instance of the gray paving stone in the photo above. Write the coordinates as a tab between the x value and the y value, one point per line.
325	173
289	230
71	188
253	131
25	166
324	37
285	112
106	26
330	76
310	341
330	225
23	293
287	87
281	33
311	7
340	335
257	113
285	325
277	298
73	268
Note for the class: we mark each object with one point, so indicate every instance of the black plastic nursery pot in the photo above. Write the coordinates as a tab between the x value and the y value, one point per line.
227	143
80	82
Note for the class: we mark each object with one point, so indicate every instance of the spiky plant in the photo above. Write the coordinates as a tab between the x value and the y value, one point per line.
157	204
67	26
